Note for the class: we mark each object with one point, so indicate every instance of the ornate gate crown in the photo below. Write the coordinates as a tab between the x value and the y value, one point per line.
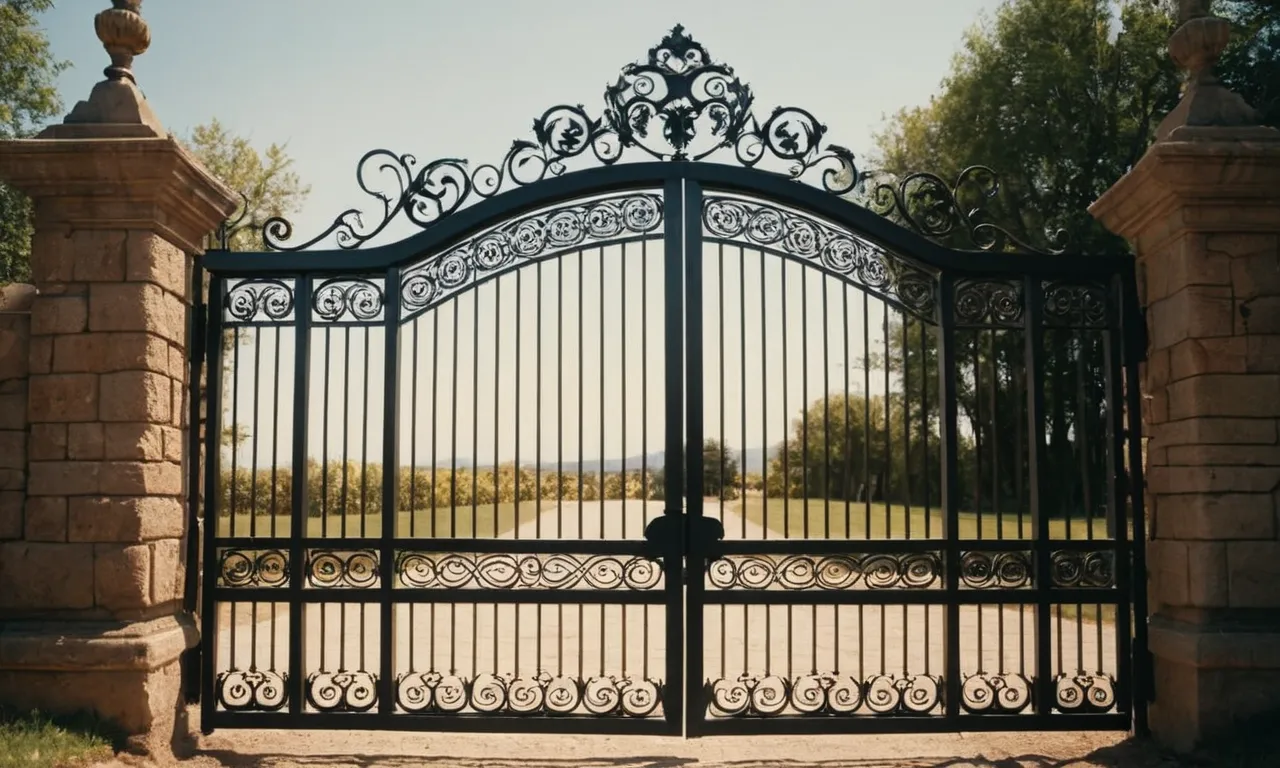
678	105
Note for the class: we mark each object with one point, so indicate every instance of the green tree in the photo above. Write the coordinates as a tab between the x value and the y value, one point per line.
1055	101
28	98
720	475
266	181
1250	65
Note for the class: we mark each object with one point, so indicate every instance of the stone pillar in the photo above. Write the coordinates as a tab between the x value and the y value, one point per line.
91	593
1202	211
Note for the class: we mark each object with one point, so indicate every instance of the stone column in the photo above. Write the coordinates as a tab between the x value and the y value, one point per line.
1202	211
91	593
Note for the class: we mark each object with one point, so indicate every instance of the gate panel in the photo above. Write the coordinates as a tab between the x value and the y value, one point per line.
499	577
920	479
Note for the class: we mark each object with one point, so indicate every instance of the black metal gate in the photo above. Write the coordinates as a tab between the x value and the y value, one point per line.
670	447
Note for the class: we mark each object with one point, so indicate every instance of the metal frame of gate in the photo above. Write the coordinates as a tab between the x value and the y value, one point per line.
276	571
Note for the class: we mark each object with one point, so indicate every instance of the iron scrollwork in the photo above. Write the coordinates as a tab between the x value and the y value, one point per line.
342	298
989	302
342	691
252	690
541	694
995	693
260	299
332	569
837	251
822	694
677	105
1071	568
1079	305
1085	692
526	239
253	568
917	570
995	570
928	205
508	571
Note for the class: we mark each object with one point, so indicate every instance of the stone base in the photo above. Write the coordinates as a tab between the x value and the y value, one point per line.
1210	680
129	675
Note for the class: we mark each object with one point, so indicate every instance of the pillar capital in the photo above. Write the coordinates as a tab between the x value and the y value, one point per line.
118	184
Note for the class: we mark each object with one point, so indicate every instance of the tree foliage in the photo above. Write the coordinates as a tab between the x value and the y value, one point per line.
28	99
265	180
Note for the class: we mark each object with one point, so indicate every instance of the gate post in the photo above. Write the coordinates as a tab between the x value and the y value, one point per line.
1202	211
91	592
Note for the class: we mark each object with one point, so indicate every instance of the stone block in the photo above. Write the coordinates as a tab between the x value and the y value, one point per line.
1250	395
139	442
167	578
13	449
46	576
64	478
13	409
132	478
11	503
1184	479
121	576
1214	431
1262	353
152	259
40	358
1256	274
46	519
1188	261
1225	455
178	406
1194	312
15	352
12	480
136	307
1254	572
63	397
1168	566
138	396
1259	315
111	352
99	255
125	519
59	314
84	441
1207	574
1216	517
48	442
53	256
1194	357
174	443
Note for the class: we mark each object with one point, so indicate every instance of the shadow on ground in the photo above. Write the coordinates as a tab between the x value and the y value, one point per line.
1130	754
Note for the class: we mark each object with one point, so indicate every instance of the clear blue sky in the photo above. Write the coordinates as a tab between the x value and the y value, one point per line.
463	79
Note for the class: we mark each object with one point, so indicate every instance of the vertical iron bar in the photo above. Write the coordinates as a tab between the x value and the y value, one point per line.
866	413
297	554
390	482
600	495
826	417
804	400
786	458
197	346
1034	364
694	481
1133	580
537	430
212	495
742	386
674	206
949	448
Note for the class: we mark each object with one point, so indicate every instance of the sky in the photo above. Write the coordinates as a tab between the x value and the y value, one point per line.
333	80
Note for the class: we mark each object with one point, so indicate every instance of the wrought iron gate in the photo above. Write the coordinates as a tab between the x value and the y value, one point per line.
670	447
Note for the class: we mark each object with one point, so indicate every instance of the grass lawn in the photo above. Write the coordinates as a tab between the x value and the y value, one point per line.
786	518
483	521
33	739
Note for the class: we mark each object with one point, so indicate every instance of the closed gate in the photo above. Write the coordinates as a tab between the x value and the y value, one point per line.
669	446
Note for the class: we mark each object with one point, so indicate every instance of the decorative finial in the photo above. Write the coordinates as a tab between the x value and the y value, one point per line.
124	34
1196	46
